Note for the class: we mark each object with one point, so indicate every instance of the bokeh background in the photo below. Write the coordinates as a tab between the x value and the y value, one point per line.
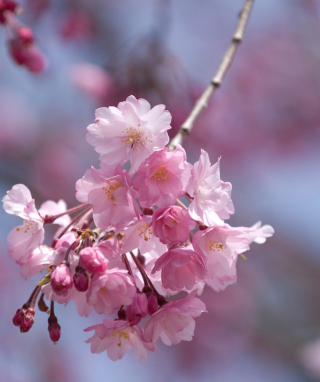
265	124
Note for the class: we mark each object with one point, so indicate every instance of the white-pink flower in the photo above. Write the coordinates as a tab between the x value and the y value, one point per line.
111	289
162	177
258	234
117	337
181	268
220	247
211	196
37	260
109	192
132	131
174	322
172	225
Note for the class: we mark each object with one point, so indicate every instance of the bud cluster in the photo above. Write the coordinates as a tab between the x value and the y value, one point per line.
133	243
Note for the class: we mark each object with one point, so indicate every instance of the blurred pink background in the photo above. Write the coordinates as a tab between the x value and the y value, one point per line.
265	124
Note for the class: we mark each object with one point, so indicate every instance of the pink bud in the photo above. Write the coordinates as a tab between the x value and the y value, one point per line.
54	329
6	5
80	279
138	308
61	280
25	35
172	225
152	304
18	317
27	320
93	260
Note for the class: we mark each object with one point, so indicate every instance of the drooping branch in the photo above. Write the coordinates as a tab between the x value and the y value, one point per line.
216	81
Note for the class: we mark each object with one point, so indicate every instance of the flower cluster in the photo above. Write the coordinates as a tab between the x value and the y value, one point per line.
133	243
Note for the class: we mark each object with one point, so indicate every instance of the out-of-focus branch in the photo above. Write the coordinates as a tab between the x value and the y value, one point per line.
216	81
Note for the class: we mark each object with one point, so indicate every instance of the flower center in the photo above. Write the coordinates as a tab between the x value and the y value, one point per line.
28	225
145	231
161	174
121	334
112	185
215	246
133	138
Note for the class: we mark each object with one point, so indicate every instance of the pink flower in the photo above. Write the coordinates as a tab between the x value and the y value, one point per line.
140	235
117	337
109	192
24	239
211	196
172	225
138	309
220	248
18	201
61	280
180	267
174	322
37	260
93	260
133	131
258	234
111	289
162	177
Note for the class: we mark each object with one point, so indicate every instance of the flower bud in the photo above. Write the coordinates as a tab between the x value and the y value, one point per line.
54	329
27	321
93	260
152	304
138	308
148	211
26	36
18	317
61	280
80	279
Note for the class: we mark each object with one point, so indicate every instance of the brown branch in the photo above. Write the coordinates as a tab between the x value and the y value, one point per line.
216	81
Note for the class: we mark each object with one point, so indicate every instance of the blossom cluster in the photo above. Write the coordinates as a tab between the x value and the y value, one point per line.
150	226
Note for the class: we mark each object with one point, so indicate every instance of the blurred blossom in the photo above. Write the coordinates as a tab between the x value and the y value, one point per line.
92	80
309	356
76	25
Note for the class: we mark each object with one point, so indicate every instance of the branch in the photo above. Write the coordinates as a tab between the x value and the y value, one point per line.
216	81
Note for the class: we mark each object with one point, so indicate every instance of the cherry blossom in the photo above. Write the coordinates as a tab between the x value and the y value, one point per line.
132	131
109	192
211	196
110	289
180	267
172	225
174	322
93	260
117	337
162	177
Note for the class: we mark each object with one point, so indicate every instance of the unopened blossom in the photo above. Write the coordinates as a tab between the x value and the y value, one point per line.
132	131
174	322
93	260
162	177
61	280
181	267
172	225
111	289
6	6
211	197
138	309
117	337
108	191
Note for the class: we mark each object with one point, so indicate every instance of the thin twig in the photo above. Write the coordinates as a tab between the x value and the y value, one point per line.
216	81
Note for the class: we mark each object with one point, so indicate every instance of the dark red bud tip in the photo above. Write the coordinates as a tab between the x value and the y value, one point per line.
81	281
202	227
147	290
141	259
148	211
54	331
161	300
18	317
122	314
27	321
